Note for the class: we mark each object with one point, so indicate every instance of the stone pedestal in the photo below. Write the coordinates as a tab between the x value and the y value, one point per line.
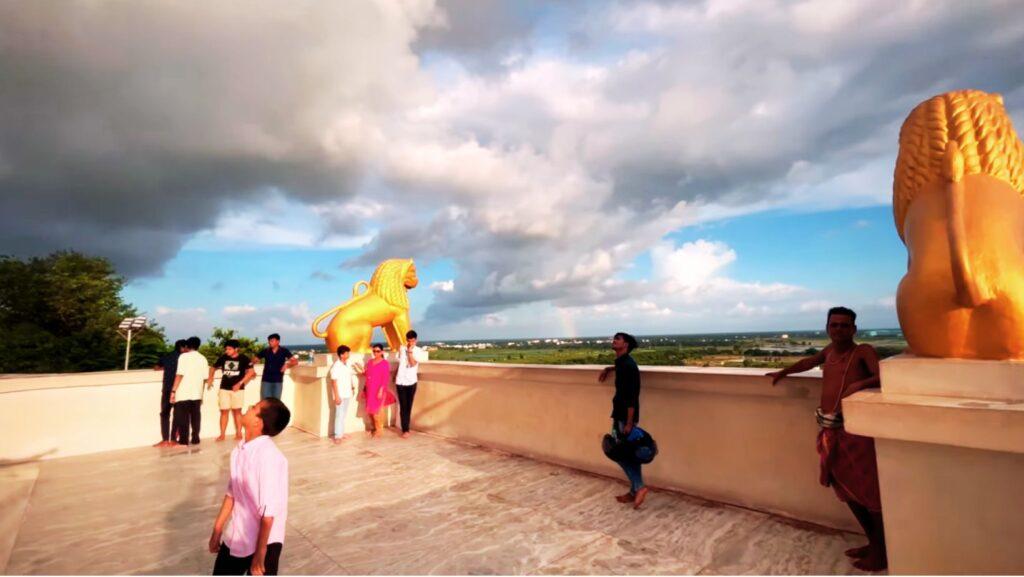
314	409
950	441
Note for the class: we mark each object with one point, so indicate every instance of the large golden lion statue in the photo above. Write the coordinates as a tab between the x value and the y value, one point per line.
384	304
958	208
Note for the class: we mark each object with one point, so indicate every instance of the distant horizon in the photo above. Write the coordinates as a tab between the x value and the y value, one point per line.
638	335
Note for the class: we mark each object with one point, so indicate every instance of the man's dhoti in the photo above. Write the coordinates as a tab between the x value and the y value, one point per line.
848	465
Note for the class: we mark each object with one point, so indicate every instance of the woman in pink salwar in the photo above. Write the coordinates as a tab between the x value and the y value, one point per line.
378	375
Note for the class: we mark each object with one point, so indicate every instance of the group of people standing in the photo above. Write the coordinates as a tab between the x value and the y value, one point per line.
187	371
256	497
847	462
344	379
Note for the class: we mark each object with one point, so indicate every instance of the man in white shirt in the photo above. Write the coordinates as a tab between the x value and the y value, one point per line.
406	379
187	392
343	386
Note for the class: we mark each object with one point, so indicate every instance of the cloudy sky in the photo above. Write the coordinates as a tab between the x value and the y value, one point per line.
554	168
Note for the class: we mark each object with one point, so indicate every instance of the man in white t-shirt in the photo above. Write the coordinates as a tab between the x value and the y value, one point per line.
343	387
406	379
187	393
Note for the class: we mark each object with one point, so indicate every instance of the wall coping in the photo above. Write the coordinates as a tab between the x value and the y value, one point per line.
656	376
958	422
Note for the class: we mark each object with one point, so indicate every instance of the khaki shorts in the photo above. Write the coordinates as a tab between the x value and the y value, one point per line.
227	399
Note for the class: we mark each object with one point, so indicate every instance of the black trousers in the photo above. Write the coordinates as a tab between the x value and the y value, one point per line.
166	432
406	395
226	564
186	414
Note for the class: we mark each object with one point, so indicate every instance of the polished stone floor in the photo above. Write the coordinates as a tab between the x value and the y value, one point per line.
388	506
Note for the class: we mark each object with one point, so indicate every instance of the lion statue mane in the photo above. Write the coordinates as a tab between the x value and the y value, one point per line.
384	303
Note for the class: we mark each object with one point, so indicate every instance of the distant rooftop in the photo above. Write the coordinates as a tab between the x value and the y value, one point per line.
389	506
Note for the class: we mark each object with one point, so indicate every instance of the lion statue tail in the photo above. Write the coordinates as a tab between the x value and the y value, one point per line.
355	294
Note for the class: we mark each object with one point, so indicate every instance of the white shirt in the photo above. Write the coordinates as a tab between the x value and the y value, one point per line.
259	486
407	375
345	376
193	369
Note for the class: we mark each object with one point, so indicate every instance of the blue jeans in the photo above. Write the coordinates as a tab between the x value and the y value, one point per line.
631	467
271	389
340	412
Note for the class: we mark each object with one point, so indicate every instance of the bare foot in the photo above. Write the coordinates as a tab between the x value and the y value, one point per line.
859	552
336	441
238	436
625	498
640	496
871	563
405	435
220	438
161	444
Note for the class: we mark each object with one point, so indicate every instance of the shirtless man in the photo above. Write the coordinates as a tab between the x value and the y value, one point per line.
847	461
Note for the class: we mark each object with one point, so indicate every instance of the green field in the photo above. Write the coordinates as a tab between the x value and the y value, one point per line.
722	350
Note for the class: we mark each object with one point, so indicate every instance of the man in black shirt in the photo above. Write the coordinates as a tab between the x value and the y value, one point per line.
236	371
169	365
626	411
276	360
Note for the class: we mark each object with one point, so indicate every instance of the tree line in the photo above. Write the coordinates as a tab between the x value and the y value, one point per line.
59	314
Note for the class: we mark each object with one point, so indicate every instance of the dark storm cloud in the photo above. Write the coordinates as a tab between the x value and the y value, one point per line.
127	127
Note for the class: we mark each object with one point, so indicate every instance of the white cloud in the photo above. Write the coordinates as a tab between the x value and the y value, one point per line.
446	286
183	322
692	264
816	306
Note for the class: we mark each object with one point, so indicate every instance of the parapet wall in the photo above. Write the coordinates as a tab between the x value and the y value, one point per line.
723	434
52	416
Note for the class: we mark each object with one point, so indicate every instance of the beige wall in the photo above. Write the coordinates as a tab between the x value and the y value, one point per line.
63	415
724	434
950	442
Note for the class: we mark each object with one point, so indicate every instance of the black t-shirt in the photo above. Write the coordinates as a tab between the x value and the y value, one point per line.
233	369
627	389
273	363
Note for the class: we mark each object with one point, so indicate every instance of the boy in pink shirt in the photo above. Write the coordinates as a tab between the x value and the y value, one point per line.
256	499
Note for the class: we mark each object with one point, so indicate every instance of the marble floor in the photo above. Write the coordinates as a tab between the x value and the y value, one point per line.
422	505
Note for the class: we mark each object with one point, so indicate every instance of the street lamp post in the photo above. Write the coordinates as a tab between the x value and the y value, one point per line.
125	330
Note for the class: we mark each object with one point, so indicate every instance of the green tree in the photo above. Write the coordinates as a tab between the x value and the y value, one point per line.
60	314
214	347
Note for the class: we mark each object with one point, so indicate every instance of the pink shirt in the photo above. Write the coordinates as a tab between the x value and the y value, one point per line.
259	486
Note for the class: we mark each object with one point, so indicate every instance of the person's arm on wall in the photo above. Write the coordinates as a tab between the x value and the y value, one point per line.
800	366
291	362
604	373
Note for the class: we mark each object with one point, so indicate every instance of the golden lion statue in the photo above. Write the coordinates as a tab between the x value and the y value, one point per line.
385	304
958	208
